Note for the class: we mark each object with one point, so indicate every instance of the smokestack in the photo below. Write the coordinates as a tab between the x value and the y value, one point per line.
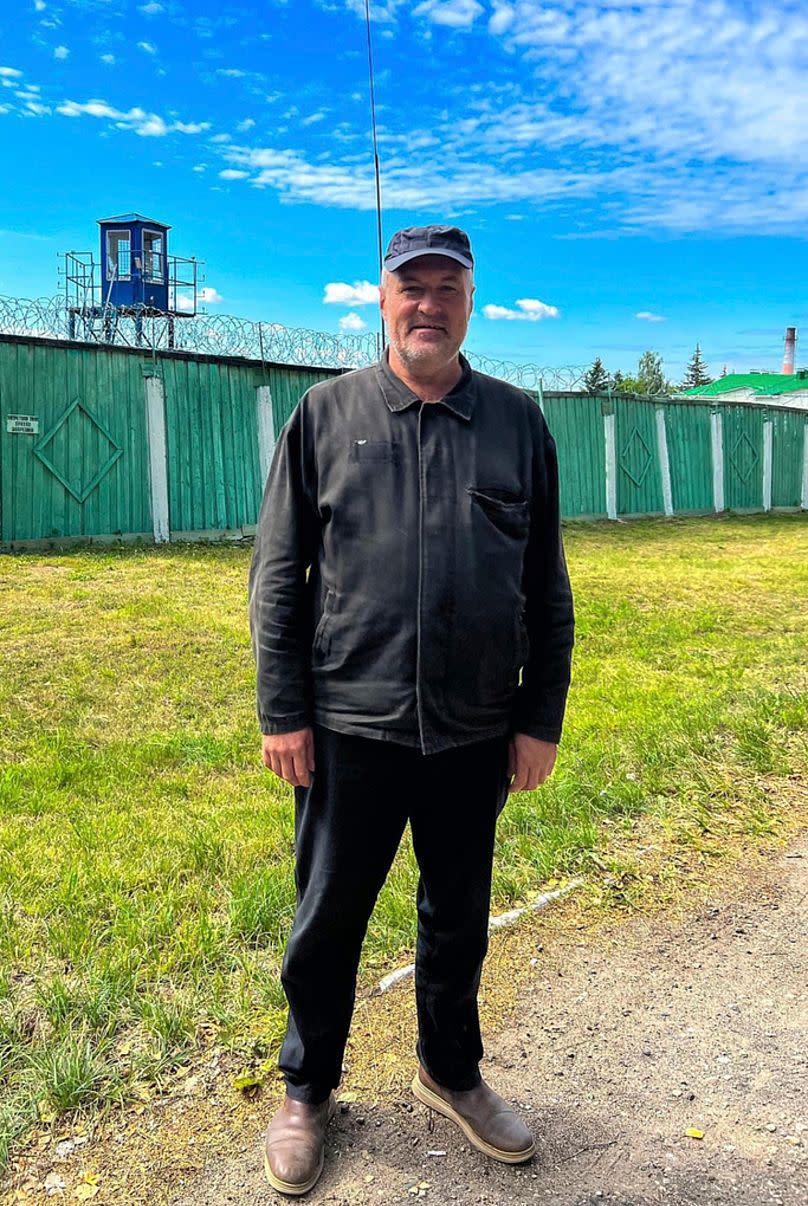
791	349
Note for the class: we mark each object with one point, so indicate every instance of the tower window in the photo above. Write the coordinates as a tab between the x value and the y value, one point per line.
152	255
119	255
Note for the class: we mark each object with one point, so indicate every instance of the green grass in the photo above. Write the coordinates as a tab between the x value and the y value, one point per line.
146	885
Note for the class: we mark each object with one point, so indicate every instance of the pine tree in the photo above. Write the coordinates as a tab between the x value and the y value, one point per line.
596	380
696	373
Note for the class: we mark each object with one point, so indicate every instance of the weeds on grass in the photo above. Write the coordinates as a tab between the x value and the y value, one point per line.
146	874
74	1070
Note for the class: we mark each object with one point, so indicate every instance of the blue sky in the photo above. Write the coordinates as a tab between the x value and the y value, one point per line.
632	175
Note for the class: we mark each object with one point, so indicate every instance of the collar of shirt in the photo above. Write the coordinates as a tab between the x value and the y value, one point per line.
399	396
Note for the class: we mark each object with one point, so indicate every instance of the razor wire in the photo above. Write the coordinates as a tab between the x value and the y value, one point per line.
226	335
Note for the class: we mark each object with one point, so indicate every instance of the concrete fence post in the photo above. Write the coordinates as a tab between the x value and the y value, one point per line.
664	460
717	443
266	430
768	457
158	457
610	457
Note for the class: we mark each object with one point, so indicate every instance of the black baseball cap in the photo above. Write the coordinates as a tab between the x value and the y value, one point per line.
415	241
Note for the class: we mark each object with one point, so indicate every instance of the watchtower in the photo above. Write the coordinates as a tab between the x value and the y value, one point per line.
134	279
134	261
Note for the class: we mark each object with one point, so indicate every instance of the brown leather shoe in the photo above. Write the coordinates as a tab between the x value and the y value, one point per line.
295	1143
485	1118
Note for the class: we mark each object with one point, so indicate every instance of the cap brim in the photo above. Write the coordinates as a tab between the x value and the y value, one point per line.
398	260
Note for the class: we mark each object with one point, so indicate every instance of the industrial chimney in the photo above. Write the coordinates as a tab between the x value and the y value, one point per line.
790	351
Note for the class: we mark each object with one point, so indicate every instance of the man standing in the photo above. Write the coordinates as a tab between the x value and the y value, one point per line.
408	565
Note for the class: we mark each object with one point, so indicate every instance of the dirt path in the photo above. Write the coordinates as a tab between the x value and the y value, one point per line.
615	1050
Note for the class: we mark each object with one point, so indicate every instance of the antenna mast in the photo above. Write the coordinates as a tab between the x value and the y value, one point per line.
375	157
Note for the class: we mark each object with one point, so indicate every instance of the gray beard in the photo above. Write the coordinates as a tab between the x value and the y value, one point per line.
422	357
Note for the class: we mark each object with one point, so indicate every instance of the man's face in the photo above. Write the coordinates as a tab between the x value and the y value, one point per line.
427	305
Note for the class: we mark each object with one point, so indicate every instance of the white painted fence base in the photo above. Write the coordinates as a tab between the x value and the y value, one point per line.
494	923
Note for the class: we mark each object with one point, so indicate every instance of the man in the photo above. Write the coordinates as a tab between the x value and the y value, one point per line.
408	564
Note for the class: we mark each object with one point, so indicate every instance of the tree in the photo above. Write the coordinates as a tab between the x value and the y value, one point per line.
650	375
696	373
596	380
648	379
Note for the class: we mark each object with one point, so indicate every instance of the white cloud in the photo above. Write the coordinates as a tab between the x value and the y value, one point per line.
672	132
313	118
109	59
191	127
147	125
244	126
204	297
649	316
502	17
381	10
233	174
352	322
151	8
412	183
529	309
61	52
233	73
459	14
147	47
738	90
10	73
200	167
360	293
39	6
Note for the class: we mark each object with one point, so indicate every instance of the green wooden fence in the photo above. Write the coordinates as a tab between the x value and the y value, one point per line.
101	442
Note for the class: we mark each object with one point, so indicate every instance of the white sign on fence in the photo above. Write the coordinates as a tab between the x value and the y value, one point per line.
22	424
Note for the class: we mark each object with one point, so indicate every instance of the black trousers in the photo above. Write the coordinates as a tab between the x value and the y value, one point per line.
348	826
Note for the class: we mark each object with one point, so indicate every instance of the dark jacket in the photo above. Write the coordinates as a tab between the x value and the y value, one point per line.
436	571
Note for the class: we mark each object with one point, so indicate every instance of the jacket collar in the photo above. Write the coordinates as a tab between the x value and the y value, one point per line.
398	396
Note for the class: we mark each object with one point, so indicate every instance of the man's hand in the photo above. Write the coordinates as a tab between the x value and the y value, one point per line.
530	761
290	755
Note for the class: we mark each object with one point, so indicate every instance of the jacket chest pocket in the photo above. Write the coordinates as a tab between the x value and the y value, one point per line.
368	451
508	512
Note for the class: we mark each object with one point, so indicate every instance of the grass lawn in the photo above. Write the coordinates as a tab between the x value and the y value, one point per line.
146	883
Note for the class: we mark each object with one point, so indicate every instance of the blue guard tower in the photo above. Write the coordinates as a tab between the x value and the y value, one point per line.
135	280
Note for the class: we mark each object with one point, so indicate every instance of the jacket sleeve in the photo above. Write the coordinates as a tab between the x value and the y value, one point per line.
285	544
542	694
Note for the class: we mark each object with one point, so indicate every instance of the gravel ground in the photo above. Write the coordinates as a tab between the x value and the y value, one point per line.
615	1050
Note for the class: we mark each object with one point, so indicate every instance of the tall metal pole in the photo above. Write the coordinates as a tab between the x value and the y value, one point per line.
375	158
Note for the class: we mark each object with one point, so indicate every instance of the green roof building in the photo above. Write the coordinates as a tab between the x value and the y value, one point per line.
767	389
